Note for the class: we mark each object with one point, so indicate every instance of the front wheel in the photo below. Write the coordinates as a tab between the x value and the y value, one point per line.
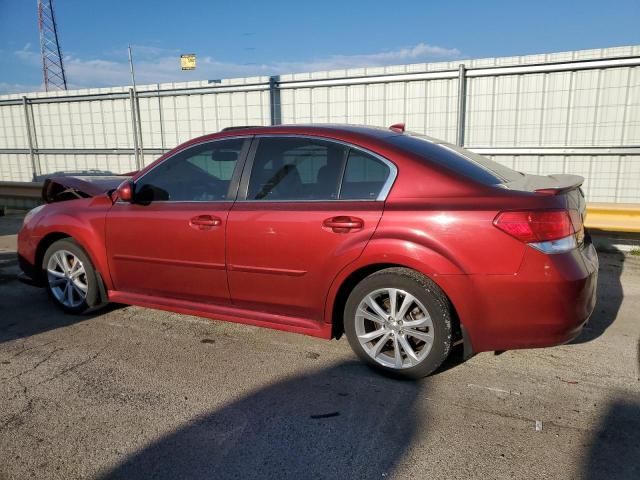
399	321
72	281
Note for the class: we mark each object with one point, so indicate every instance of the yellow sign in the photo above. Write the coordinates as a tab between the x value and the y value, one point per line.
188	61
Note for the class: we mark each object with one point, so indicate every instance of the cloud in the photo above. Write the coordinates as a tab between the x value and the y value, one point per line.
417	53
7	87
28	56
159	65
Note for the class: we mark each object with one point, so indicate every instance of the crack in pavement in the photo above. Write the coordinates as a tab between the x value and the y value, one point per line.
28	407
25	389
26	349
31	369
75	366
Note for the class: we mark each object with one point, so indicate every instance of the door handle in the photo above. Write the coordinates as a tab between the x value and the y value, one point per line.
204	222
343	224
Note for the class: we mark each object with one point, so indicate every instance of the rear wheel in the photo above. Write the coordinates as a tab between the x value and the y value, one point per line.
399	321
72	281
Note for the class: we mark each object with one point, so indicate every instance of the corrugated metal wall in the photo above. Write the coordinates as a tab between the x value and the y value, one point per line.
573	112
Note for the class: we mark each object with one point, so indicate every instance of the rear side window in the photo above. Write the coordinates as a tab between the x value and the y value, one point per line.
457	159
296	169
364	177
299	169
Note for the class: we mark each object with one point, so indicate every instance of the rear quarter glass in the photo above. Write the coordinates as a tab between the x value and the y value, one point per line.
456	159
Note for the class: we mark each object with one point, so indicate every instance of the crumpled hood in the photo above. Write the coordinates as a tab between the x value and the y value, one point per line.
62	188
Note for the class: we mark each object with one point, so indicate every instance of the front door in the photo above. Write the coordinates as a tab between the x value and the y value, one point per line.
171	240
308	207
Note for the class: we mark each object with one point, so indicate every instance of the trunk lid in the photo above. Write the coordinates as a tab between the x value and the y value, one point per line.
564	185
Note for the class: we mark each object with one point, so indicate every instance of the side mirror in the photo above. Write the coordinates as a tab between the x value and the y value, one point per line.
124	193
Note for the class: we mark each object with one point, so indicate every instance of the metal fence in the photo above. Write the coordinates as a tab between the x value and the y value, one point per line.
571	112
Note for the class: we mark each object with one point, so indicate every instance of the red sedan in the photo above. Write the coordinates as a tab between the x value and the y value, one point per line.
407	244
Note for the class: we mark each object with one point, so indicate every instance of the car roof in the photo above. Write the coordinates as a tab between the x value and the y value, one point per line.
377	132
330	130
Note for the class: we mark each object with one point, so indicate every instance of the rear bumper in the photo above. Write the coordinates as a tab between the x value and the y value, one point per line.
546	303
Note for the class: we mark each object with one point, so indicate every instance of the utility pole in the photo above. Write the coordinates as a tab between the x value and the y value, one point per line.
135	105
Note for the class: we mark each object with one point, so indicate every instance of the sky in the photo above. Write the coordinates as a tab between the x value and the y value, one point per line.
240	38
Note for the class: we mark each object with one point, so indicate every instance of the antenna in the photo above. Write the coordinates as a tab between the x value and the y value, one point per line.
52	67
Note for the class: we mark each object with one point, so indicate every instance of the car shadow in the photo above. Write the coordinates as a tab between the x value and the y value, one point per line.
614	452
610	295
344	421
27	310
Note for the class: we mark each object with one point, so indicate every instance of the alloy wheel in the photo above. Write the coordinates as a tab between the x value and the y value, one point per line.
67	278
394	328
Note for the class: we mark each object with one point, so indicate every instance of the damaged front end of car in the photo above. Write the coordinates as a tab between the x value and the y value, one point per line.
65	188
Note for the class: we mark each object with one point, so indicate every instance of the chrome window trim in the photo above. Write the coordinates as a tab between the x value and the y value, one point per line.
329	200
382	195
164	202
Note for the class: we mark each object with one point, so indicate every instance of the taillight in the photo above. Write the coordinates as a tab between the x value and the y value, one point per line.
550	231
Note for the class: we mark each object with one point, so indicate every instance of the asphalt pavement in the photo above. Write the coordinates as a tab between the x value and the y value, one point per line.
130	393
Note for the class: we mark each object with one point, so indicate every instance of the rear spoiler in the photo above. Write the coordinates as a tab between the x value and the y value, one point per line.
564	183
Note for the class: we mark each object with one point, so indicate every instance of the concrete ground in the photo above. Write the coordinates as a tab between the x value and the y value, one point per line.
135	393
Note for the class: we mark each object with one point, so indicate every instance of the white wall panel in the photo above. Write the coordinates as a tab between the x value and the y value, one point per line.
603	178
12	127
568	109
628	189
15	168
632	110
320	105
80	163
556	109
150	120
481	100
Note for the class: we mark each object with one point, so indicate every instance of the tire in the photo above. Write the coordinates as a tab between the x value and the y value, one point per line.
383	340
58	279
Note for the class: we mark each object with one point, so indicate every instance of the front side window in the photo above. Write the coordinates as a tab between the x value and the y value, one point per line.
296	169
198	174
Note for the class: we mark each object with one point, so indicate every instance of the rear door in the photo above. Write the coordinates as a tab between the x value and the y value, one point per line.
306	208
171	240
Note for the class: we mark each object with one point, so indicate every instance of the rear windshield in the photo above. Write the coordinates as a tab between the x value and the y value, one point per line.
457	159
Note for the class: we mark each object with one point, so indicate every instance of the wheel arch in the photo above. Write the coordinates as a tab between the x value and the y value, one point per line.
44	243
346	286
53	236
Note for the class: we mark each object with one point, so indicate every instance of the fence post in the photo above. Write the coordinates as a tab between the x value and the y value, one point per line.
161	119
462	104
30	134
274	100
134	127
139	118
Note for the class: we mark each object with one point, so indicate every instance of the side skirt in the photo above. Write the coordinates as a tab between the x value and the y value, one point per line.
225	313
